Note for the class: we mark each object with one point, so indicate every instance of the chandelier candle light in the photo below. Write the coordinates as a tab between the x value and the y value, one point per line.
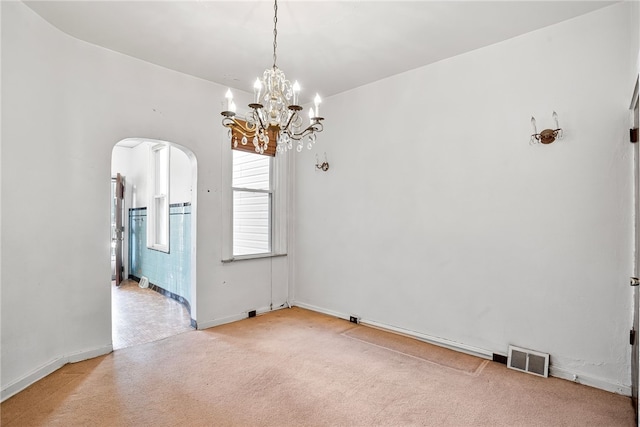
275	108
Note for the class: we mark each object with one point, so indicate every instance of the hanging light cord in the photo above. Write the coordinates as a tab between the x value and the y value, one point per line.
275	31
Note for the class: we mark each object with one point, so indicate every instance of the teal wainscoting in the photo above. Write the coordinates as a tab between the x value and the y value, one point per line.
171	272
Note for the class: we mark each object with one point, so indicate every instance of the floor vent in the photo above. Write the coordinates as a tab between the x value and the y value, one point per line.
529	361
144	282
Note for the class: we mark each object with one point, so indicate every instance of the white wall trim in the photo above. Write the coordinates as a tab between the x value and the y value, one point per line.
221	321
591	381
49	368
442	342
237	317
554	371
452	345
89	354
32	377
320	310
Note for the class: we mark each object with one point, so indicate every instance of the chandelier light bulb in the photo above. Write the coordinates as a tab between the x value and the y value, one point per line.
232	106
257	89
317	102
229	97
296	92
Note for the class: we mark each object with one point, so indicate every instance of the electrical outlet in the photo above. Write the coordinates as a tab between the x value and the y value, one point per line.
353	319
500	358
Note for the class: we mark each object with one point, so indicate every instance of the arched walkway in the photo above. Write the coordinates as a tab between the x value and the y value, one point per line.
157	296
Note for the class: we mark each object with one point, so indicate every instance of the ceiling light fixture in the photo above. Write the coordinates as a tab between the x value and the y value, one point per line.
275	111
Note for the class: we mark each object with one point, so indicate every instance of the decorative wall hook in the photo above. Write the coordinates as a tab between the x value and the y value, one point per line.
547	136
324	166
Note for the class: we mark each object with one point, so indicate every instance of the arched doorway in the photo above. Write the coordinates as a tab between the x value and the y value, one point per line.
156	298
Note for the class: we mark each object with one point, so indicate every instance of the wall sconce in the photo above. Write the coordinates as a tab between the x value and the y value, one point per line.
324	166
547	136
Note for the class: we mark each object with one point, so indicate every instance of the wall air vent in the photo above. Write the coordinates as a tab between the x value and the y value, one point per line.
529	361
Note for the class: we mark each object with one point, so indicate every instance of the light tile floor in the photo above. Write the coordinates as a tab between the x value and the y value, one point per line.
143	315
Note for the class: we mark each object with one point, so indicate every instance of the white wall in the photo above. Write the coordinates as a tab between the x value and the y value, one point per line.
132	162
65	104
438	218
634	18
180	181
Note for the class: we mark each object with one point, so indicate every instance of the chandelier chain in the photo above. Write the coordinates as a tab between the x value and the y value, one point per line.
275	31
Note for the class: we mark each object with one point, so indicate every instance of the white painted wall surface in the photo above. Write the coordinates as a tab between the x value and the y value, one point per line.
138	174
66	103
634	18
180	181
133	164
120	160
437	217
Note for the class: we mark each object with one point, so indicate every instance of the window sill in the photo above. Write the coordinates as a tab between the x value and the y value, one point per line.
163	248
247	257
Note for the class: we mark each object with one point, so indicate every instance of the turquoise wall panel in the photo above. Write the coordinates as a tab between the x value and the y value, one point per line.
169	271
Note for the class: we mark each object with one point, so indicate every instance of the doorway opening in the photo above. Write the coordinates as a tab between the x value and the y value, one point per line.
153	241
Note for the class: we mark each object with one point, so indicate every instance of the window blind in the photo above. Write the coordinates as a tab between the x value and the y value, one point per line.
272	131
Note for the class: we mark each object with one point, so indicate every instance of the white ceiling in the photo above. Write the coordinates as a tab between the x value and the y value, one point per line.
328	46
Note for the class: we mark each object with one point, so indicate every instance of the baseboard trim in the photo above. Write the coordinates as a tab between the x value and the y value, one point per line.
49	368
441	342
89	354
237	317
221	321
321	310
554	371
24	382
591	381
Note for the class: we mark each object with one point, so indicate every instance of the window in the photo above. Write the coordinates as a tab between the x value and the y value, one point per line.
158	210
252	203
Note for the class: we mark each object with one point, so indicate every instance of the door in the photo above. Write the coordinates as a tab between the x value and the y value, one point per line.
117	234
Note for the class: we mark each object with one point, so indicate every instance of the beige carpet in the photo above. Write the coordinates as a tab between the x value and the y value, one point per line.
295	367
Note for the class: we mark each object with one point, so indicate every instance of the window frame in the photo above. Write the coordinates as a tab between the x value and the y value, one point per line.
271	211
282	166
155	176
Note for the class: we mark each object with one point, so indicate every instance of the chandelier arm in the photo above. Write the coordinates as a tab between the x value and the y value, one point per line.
257	114
247	130
313	128
295	113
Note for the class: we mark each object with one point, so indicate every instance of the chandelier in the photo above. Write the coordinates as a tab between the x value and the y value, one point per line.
275	111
